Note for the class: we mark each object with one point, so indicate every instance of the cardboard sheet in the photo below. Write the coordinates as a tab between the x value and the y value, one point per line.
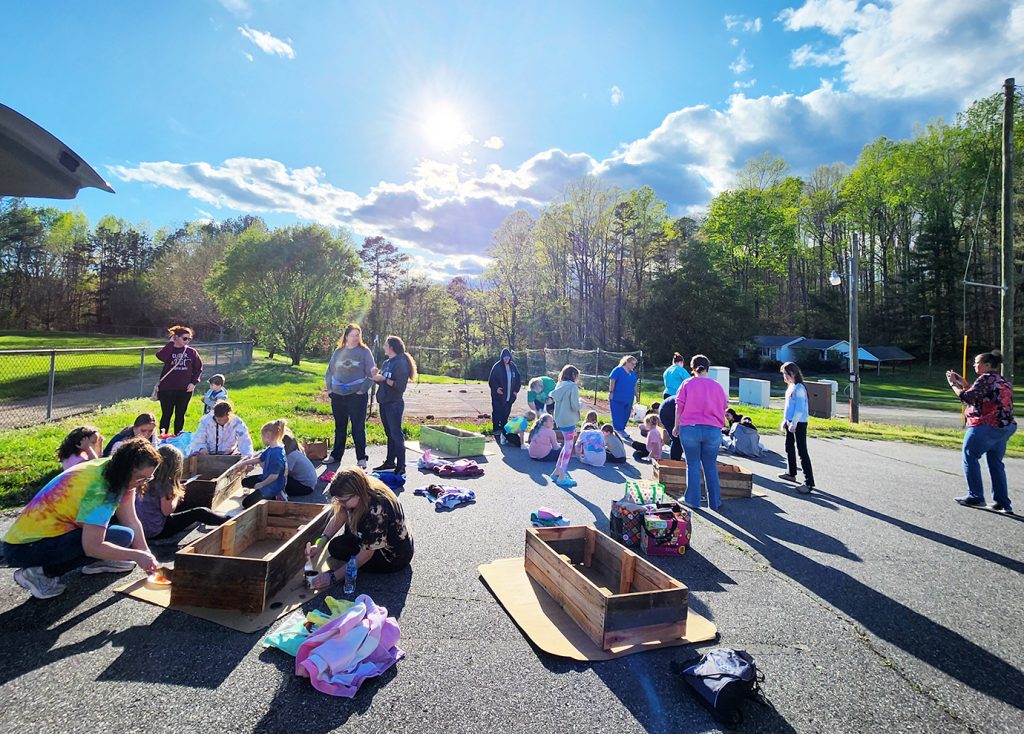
291	597
544	622
489	450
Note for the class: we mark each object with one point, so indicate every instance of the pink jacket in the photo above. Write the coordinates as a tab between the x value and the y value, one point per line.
701	401
543	443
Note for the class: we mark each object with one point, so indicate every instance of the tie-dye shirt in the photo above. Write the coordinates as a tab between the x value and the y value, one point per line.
75	498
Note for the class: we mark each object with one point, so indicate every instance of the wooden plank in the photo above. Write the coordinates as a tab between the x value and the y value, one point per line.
584	617
279	533
607	561
291	557
588	547
648	577
580	598
219	583
646	609
227	538
626	571
641	635
566	532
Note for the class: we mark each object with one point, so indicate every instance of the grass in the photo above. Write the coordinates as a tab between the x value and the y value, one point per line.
264	391
68	340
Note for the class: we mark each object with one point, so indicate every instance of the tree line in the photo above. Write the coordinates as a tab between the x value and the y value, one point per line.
599	267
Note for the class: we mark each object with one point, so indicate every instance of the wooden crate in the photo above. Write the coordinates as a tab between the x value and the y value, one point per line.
452	441
243	563
216	480
615	596
734	481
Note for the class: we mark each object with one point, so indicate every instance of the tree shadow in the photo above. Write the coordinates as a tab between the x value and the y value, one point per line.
897	624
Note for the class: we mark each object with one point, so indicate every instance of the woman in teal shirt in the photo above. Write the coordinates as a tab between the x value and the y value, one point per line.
675	375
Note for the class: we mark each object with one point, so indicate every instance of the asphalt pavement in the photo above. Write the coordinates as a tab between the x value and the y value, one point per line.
874	604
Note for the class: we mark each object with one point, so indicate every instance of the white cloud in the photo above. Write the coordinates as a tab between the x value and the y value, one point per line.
249	56
616	95
268	43
957	51
744	85
742	23
806	56
238	7
734	42
741	65
494	143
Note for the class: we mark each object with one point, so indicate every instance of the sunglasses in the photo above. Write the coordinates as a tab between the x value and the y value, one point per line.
184	338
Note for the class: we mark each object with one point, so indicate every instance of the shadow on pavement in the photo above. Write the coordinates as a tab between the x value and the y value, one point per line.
896	623
297	706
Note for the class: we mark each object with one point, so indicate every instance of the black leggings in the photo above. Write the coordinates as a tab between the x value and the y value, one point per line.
178	521
799	438
343	546
176	402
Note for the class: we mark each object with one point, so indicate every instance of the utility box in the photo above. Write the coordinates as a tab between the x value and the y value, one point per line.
819	399
835	392
721	376
755	392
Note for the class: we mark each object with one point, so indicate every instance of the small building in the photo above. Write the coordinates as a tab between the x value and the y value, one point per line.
888	355
775	347
822	347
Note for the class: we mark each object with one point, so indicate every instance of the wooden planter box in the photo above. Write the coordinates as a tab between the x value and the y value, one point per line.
243	563
215	484
452	441
735	481
615	596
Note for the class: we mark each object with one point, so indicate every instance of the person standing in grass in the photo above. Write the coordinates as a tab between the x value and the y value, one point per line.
392	380
622	392
675	374
348	380
567	415
700	415
988	412
67	524
183	367
794	423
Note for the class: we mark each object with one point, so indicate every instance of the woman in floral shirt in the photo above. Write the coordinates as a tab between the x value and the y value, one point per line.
988	412
368	523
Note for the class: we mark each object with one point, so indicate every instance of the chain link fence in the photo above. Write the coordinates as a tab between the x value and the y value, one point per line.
39	385
594	365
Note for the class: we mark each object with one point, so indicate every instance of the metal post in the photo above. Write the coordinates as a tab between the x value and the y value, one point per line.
931	341
216	355
854	337
142	372
1006	298
49	389
597	370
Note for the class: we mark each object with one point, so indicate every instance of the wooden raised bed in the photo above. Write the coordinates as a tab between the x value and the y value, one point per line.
615	596
452	441
735	481
216	480
243	563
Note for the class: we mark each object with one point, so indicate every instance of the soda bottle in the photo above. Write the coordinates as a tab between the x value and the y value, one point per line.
350	577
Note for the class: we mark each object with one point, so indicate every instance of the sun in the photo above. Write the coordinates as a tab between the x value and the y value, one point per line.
443	127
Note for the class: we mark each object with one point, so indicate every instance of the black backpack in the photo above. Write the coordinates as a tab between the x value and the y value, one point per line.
723	678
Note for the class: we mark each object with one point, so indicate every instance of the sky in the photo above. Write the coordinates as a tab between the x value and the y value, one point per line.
429	123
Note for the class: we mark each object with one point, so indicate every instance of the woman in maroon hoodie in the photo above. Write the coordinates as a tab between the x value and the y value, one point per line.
181	372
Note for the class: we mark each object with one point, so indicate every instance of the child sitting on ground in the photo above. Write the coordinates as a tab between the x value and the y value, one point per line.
215	394
590	417
271	482
84	443
516	427
744	439
655	440
543	440
590	445
158	500
615	452
653	410
302	477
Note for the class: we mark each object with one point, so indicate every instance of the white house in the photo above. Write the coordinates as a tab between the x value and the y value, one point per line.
776	347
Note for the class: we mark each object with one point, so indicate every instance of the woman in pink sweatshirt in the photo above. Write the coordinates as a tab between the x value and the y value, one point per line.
700	415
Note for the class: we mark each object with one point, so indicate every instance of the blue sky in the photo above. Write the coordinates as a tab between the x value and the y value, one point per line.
429	123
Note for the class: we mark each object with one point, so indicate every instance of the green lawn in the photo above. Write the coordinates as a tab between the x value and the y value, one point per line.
264	391
68	340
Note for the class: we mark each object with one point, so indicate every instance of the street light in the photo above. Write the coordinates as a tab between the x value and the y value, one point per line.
835	279
931	342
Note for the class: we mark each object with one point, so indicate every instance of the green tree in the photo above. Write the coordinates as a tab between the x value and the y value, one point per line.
297	284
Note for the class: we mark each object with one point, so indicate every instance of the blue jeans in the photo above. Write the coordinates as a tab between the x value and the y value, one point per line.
620	414
700	444
991	443
62	553
391	419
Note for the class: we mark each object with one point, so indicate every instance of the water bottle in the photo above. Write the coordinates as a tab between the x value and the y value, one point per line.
310	573
350	577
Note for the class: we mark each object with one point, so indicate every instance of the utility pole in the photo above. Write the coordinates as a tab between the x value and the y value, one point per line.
1006	297
854	336
931	342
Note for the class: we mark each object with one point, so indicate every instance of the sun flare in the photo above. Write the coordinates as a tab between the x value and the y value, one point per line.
443	127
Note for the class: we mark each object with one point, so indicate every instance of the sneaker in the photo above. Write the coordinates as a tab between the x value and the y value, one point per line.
108	567
804	488
400	471
969	501
787	477
37	582
361	464
996	507
386	466
331	459
566	481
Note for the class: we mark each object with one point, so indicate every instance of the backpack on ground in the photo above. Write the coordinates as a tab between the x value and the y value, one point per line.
722	678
